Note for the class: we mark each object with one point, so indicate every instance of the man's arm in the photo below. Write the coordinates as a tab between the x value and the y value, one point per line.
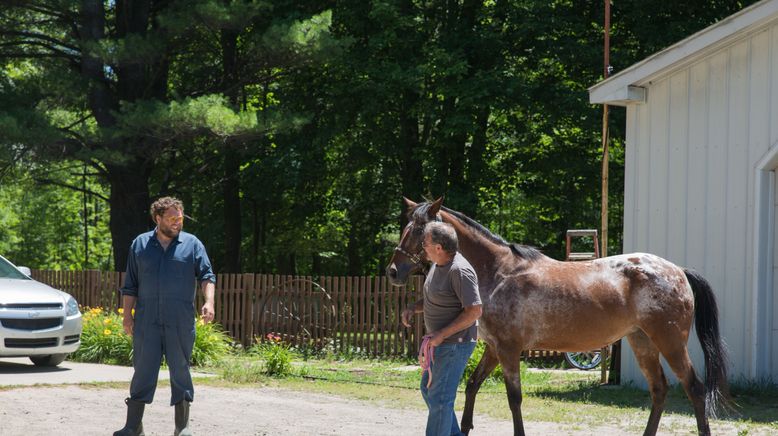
410	311
128	305
465	319
208	288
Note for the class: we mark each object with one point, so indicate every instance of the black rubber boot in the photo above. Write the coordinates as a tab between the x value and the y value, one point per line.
134	425
182	419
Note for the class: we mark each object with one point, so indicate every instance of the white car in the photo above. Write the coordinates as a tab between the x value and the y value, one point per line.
36	320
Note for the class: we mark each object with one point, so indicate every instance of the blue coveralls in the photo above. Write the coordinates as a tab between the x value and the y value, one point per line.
164	282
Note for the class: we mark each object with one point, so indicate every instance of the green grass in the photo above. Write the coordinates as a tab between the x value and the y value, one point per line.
572	399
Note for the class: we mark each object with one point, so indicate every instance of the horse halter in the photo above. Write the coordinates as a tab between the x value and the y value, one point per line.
415	258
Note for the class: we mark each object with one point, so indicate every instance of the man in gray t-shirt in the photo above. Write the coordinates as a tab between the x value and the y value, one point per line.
451	306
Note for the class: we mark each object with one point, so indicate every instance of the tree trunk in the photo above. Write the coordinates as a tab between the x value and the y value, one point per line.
129	207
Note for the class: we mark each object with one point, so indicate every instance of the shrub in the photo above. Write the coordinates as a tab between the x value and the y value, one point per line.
275	353
211	344
103	340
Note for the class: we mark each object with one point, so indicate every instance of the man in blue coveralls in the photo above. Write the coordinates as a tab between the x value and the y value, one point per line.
162	268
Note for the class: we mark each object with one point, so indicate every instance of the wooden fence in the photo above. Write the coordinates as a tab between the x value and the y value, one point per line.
354	314
347	314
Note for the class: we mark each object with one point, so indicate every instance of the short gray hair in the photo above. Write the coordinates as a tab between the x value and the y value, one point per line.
443	234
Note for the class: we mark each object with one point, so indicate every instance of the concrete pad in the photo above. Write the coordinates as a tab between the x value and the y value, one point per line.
20	371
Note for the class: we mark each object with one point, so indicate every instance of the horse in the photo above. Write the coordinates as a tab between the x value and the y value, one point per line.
533	302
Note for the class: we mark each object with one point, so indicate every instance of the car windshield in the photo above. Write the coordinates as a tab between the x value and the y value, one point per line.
7	271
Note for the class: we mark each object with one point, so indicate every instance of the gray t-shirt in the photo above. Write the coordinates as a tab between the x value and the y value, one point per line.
448	289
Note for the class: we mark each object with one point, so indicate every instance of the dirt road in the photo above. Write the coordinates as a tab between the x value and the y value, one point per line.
216	411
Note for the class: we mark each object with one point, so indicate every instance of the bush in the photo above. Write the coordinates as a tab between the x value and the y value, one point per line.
276	354
103	340
211	344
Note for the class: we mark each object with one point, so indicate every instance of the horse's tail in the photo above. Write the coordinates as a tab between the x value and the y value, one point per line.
706	320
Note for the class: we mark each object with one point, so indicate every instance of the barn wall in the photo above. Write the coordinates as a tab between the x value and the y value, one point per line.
692	153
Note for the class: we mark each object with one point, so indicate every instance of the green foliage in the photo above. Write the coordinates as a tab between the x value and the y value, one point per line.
275	354
212	344
103	341
46	226
310	123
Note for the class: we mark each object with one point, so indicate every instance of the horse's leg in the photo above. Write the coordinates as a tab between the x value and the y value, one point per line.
647	356
511	361
485	367
674	350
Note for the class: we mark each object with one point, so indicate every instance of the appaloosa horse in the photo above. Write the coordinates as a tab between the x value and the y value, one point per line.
531	301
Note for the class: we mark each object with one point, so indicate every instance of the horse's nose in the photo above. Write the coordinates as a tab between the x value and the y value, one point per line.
391	271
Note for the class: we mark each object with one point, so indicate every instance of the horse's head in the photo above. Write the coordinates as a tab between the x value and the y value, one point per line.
409	255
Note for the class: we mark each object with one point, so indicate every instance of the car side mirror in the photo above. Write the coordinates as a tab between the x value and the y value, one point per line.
26	271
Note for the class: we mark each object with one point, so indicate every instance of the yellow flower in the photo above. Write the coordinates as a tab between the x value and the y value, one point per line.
121	311
107	321
107	332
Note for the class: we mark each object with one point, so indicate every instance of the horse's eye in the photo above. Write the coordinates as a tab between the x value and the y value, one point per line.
417	230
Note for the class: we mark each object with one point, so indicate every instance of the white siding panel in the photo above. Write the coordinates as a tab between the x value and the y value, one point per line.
677	189
630	183
773	364
715	159
690	196
642	177
658	170
733	307
698	170
758	144
759	107
773	87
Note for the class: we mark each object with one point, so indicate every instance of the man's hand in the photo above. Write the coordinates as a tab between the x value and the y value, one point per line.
407	316
129	324
436	338
207	312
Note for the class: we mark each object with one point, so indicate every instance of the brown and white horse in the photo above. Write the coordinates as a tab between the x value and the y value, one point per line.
533	302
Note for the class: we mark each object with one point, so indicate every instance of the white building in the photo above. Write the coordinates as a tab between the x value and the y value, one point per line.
700	177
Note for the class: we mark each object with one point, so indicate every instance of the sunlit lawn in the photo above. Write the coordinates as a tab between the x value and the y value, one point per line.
570	398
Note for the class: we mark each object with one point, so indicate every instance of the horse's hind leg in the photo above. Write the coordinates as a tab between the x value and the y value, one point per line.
677	355
647	356
511	361
485	367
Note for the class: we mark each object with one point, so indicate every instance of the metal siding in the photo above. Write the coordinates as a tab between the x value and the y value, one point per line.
758	144
641	156
677	161
773	365
728	103
658	151
716	157
630	167
698	171
733	306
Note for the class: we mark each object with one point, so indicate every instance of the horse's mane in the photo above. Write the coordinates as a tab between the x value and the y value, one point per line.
420	214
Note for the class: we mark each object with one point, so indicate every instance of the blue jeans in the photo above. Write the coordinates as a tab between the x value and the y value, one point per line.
447	369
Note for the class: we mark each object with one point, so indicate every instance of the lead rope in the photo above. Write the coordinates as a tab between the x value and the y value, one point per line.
426	358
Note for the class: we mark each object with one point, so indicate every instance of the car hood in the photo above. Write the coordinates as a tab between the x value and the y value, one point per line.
13	291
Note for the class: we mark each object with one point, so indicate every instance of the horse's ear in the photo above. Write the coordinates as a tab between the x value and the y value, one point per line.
408	203
435	207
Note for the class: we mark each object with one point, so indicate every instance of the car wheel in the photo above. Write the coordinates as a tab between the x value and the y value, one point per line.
585	361
50	360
